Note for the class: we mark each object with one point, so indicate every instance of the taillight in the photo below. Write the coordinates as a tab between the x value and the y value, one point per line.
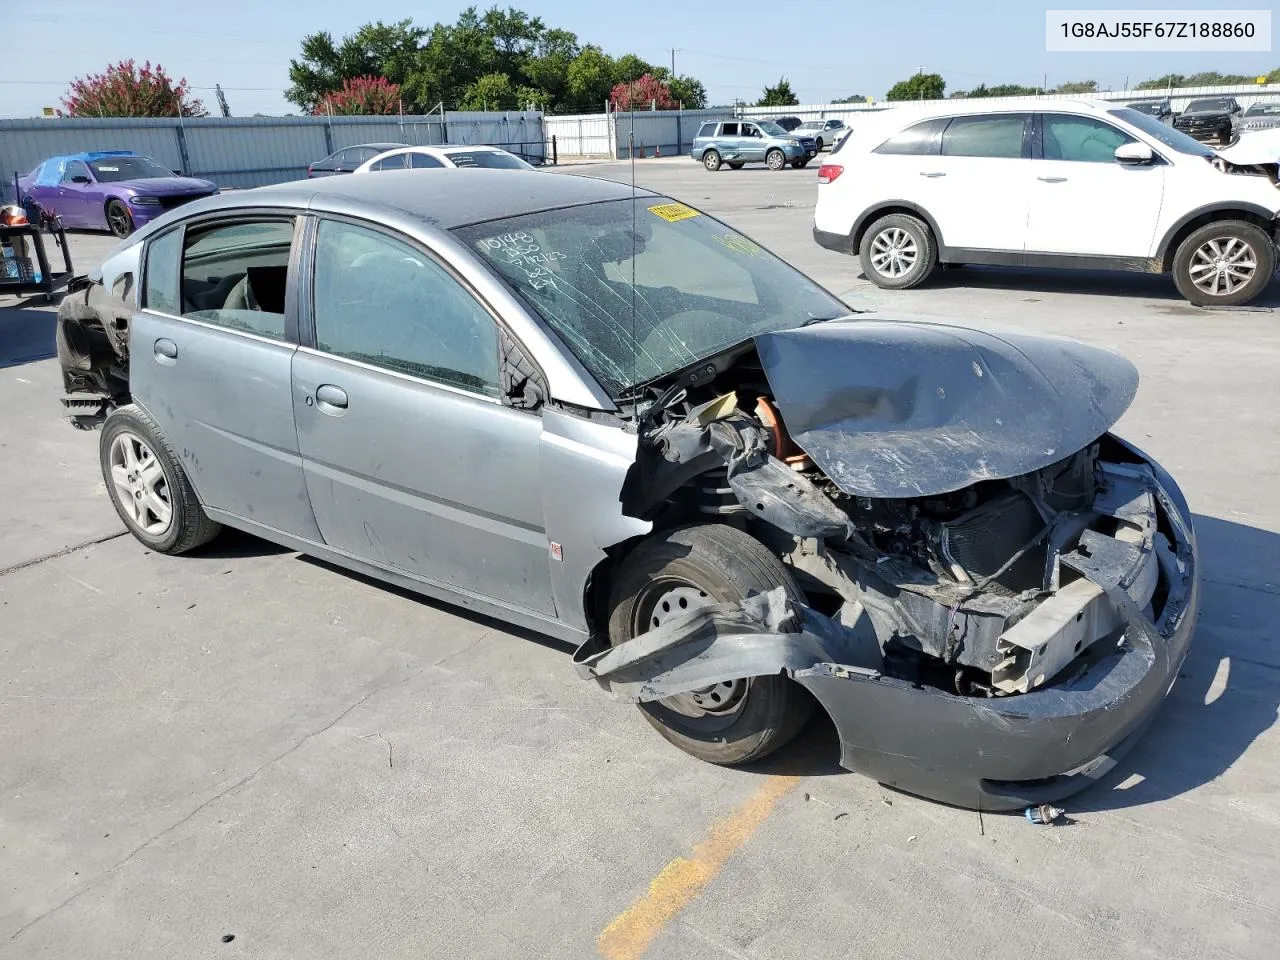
829	172
309	168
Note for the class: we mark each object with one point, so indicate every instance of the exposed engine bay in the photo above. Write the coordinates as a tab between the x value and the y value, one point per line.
973	589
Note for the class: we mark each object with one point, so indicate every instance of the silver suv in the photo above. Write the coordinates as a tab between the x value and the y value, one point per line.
739	142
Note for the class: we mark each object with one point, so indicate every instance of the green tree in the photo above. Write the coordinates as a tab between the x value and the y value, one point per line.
630	67
547	68
855	98
779	95
1077	86
922	86
493	91
376	49
590	79
687	91
1274	76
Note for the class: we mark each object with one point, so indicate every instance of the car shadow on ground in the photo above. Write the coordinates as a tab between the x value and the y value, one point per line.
1090	282
26	331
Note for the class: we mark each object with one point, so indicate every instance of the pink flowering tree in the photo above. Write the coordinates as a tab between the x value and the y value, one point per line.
640	93
361	95
126	90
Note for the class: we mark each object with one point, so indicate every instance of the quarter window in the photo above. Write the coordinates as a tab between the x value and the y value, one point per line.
394	162
1083	139
984	136
234	276
424	161
160	292
707	130
381	301
921	139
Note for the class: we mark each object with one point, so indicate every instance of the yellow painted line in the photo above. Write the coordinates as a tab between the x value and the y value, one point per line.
678	884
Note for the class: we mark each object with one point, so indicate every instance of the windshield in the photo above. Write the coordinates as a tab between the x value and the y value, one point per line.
811	125
127	168
1151	108
1264	110
771	128
1204	106
1170	137
487	158
634	305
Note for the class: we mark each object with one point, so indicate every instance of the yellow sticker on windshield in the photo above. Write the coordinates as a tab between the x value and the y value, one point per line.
672	212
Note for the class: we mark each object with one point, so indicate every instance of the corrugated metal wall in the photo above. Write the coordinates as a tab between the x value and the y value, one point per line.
253	151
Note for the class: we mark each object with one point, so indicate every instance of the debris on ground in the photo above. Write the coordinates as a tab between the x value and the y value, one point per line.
1045	814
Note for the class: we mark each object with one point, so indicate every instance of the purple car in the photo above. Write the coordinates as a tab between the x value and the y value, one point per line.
117	190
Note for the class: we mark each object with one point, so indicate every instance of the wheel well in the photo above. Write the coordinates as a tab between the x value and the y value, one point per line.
1211	216
865	223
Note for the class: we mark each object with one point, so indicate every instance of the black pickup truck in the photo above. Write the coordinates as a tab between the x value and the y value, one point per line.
1210	119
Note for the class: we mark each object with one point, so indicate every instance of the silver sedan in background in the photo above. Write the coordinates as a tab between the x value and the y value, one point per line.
602	414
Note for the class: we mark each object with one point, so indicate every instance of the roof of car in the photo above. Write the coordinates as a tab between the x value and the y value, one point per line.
449	198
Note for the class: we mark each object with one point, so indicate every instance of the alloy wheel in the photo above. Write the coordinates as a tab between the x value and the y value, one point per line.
1223	265
139	484
894	252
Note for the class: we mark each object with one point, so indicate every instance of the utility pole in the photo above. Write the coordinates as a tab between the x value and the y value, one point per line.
673	63
222	100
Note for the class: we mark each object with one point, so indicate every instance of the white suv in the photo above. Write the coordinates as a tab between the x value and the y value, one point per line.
1054	184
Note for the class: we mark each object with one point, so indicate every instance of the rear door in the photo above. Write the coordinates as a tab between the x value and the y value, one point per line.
1085	203
210	353
411	460
978	185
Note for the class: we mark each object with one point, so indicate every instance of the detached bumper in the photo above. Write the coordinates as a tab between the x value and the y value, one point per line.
998	753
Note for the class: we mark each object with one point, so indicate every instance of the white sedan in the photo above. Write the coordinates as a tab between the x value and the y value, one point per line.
416	158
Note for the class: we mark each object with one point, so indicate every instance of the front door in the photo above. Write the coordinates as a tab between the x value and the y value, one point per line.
977	185
411	460
752	142
1082	201
209	362
73	191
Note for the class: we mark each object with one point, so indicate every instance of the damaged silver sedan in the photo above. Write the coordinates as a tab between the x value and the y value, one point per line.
603	414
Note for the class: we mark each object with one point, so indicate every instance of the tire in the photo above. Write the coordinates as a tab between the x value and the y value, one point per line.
775	159
1237	243
119	219
819	144
911	238
711	160
129	429
736	166
800	164
740	721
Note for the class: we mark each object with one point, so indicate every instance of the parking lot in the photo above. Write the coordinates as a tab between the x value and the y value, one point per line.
246	743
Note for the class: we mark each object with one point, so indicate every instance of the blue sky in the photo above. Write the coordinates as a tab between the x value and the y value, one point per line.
825	49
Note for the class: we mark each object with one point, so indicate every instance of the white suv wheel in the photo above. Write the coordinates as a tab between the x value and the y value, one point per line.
898	251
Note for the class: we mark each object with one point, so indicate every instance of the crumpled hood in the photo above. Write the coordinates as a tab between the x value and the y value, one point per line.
894	408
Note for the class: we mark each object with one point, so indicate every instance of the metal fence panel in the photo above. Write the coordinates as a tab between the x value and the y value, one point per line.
254	151
585	135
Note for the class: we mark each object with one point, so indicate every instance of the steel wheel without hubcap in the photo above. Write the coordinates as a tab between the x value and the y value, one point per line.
713	706
139	484
894	252
1223	265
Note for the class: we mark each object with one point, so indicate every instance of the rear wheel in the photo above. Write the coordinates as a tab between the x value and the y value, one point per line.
148	486
677	571
775	160
119	220
898	252
1224	264
711	160
819	144
736	166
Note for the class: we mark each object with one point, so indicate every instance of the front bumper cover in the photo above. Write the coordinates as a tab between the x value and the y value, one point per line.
986	753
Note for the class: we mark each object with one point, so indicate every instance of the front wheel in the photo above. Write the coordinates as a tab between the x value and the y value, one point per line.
898	252
800	164
1224	264
711	160
119	220
148	486
736	166
680	570
775	160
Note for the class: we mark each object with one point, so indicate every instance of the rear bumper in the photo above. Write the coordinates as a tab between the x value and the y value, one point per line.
839	242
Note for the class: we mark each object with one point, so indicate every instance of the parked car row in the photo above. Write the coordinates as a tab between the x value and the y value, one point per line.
121	191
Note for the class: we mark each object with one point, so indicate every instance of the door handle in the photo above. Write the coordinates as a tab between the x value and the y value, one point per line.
331	400
932	173
166	351
1052	179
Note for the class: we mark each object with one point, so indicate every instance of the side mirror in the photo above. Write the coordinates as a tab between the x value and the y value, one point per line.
79	178
1134	153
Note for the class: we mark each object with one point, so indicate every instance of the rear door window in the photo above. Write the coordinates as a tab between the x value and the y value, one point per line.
236	275
729	130
998	135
